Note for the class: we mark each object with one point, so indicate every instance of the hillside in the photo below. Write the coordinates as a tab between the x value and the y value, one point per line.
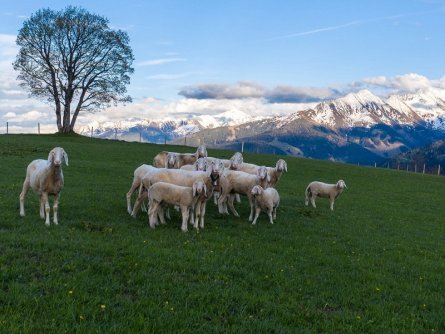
373	265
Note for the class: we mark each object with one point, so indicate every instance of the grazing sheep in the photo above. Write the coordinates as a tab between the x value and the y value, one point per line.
137	179
265	199
45	177
182	158
242	183
167	193
319	189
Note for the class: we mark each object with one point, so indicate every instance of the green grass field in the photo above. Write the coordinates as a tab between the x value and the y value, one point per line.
374	265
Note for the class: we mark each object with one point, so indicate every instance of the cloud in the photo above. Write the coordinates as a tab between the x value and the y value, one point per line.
400	84
246	90
160	61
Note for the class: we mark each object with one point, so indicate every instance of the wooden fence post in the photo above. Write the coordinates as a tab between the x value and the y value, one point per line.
7	127
91	132
415	168
423	169
438	170
398	166
375	164
242	147
140	137
38	128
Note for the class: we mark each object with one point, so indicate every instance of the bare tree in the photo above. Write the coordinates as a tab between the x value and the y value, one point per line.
73	60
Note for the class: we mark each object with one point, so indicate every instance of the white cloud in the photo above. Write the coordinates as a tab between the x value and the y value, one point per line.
401	84
160	61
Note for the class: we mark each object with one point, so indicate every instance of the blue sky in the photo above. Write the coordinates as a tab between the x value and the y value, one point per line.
220	49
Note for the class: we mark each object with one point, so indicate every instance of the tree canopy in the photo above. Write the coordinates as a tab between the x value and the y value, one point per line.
72	59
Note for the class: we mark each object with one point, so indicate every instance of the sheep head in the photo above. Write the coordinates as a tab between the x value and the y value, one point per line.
215	170
58	155
281	165
201	151
201	164
263	174
198	188
257	190
341	185
170	161
236	161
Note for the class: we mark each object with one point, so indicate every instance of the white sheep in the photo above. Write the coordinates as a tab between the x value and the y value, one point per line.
167	193
276	172
182	178
45	177
242	183
319	189
181	158
265	199
199	165
137	179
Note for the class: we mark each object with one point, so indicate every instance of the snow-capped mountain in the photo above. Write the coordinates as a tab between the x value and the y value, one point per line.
341	128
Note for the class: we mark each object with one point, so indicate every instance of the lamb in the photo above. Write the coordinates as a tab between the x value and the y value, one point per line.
182	158
137	179
241	183
167	193
320	189
265	199
45	177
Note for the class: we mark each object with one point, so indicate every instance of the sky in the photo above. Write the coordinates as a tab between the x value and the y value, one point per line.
259	57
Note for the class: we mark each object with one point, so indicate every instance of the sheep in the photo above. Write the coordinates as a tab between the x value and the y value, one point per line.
320	189
137	179
232	164
45	177
241	183
167	193
199	165
182	178
265	199
182	158
274	172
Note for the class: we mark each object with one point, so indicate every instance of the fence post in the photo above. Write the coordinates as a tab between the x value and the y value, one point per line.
388	164
7	127
38	128
91	132
375	164
165	139
438	170
140	137
407	166
398	166
185	140
115	133
423	169
415	168
242	147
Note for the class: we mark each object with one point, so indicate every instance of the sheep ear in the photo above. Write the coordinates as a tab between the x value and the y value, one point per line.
51	156
65	157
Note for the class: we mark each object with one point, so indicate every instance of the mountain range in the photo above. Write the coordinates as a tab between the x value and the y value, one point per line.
356	128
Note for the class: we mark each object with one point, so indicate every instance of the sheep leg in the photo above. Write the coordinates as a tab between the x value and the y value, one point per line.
230	201
238	198
257	213
142	196
130	192
307	195
203	212
215	197
269	213
168	214
56	208
25	189
185	218
313	201
47	208
198	209
275	212
161	215
42	207
252	207
221	200
152	213
331	199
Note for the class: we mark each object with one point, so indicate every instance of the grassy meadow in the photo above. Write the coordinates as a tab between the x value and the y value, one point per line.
374	265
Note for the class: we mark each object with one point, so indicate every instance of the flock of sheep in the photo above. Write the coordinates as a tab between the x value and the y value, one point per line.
186	181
